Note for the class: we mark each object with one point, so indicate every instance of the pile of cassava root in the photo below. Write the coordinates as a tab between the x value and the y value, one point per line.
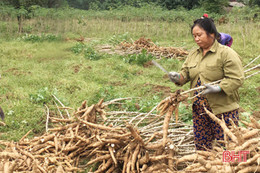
243	142
157	51
99	141
84	142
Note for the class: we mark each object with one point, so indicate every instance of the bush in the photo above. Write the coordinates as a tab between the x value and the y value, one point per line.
91	54
214	6
42	96
139	59
78	48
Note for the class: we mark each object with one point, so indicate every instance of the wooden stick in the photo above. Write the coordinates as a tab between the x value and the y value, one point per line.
252	61
59	110
61	120
257	66
149	113
61	105
252	75
47	118
116	100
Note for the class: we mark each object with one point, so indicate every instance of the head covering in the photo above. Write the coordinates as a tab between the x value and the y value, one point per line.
205	15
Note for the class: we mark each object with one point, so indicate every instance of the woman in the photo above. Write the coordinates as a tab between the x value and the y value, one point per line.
223	38
208	63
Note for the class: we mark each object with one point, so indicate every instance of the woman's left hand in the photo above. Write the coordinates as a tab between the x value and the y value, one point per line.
211	89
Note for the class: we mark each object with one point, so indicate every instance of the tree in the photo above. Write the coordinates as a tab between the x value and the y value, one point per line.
214	6
24	9
173	4
254	2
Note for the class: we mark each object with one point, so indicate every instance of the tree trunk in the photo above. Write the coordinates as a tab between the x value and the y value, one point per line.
20	26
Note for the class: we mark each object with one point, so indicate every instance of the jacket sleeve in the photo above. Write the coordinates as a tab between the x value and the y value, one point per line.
233	72
185	71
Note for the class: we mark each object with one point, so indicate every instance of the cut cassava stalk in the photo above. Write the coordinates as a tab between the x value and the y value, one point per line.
25	136
134	157
252	61
135	134
254	122
252	168
104	157
99	126
251	134
166	124
223	125
111	151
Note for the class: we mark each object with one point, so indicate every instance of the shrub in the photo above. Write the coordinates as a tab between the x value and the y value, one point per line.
42	96
91	54
78	48
139	59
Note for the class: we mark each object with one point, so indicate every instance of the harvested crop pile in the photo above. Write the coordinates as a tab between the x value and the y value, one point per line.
143	43
106	142
121	141
244	143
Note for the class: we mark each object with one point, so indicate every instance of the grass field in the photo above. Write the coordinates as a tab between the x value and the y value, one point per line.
33	67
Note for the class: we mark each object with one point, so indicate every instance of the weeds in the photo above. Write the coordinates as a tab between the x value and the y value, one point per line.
116	39
91	54
78	48
139	59
42	96
87	51
40	38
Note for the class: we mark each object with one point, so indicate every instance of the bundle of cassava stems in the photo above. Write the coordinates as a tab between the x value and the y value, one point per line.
157	51
82	142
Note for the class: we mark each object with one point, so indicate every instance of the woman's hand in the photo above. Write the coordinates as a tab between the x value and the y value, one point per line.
211	89
174	77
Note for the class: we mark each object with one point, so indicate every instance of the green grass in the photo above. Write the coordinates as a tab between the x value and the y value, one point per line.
34	67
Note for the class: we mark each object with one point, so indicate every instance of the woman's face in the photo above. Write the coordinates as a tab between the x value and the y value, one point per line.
202	39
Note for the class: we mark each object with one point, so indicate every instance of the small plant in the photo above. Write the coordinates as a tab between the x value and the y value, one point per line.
90	53
139	59
42	96
107	93
116	39
78	48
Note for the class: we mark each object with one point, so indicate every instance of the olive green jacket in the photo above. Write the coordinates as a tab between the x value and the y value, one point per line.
220	62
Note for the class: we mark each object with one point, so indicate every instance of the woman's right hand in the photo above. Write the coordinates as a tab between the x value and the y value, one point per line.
174	77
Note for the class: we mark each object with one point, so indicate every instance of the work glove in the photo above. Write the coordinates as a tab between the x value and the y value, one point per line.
211	89
174	77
